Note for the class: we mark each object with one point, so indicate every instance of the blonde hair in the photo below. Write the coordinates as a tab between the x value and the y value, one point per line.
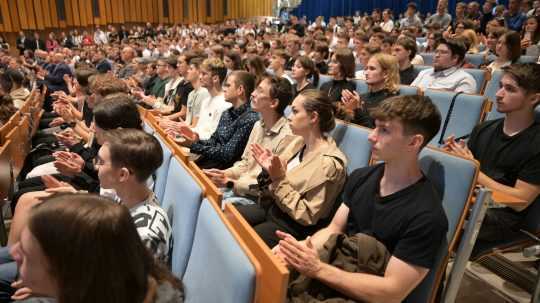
472	40
390	66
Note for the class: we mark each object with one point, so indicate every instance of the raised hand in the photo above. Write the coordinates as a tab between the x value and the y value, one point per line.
270	162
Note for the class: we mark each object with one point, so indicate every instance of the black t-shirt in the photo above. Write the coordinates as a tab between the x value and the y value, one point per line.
411	223
181	95
505	158
408	75
371	100
334	88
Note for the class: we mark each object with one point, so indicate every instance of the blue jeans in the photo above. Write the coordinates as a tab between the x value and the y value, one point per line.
8	274
230	197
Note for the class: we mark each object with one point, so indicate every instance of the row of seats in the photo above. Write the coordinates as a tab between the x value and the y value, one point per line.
15	137
221	250
477	59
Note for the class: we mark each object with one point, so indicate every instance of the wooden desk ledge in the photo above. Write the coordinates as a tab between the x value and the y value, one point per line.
501	197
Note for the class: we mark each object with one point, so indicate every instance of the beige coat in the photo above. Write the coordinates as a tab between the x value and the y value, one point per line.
308	191
278	139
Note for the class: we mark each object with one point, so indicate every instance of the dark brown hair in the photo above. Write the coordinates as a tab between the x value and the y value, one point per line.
94	251
345	58
316	101
417	113
526	76
512	41
135	150
309	66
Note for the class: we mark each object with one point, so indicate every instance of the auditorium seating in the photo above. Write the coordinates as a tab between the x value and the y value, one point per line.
181	200
162	171
219	269
353	142
323	79
428	58
527	59
454	179
492	86
480	76
468	111
475	59
273	282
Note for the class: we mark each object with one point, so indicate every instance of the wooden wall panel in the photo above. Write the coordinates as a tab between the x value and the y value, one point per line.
38	10
4	10
42	14
30	14
69	14
54	14
75	12
21	12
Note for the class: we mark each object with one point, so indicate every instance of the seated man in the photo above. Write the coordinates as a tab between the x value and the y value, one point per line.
212	74
447	73
227	143
272	132
393	202
508	150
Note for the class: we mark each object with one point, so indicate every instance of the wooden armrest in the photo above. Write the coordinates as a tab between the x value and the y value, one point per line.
507	199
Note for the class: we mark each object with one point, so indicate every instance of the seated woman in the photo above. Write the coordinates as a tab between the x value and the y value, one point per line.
106	260
12	83
508	51
382	78
341	67
305	74
492	39
530	36
298	191
363	56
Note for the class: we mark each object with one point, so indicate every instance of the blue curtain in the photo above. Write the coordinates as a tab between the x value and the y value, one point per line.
329	8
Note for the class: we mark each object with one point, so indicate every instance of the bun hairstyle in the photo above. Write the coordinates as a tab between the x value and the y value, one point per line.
316	101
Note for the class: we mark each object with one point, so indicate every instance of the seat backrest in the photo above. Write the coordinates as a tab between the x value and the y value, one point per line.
468	111
219	268
323	79
479	76
353	142
405	90
147	128
361	86
181	201
162	171
419	68
274	278
421	40
527	59
428	58
491	90
454	179
475	59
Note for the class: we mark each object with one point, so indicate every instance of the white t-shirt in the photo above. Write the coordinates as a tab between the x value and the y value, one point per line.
211	110
194	103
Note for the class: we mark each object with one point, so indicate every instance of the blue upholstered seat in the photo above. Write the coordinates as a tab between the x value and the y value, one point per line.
181	201
161	172
454	178
218	268
353	142
466	114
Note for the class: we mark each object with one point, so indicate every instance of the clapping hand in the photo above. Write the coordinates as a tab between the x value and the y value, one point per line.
270	162
68	163
301	256
351	100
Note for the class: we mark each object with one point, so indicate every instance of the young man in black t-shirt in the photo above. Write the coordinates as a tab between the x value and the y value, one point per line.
392	201
508	150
